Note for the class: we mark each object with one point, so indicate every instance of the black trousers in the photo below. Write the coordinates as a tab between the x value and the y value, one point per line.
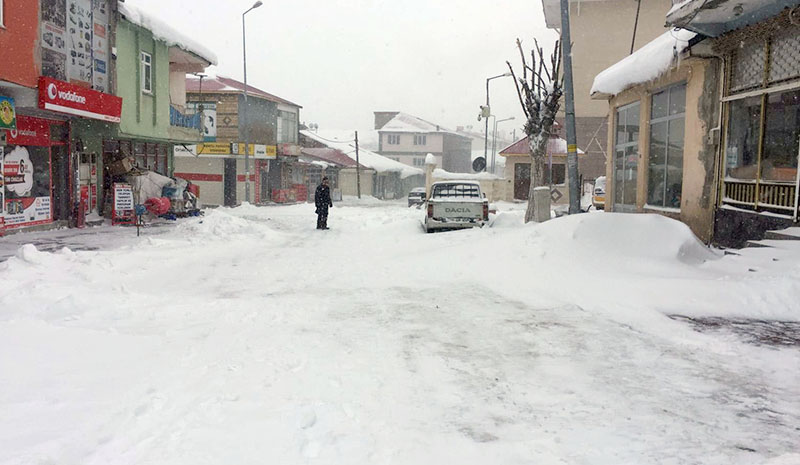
322	218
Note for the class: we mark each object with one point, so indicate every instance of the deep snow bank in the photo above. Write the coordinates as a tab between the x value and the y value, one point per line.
613	236
222	223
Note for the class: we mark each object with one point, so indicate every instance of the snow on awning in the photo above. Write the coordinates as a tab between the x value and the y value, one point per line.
165	32
645	64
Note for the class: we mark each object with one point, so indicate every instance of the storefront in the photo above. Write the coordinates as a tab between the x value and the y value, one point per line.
762	118
218	169
36	173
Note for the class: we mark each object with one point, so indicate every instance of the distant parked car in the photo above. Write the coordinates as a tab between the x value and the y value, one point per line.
456	205
416	196
599	193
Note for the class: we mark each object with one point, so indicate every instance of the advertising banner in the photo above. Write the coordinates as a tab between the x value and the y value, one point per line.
26	178
100	45
2	193
69	98
8	113
75	42
29	131
54	39
79	38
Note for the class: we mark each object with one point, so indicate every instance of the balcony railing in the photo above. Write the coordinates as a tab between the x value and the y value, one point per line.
176	118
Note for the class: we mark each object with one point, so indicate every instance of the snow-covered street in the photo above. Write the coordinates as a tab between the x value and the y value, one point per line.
247	337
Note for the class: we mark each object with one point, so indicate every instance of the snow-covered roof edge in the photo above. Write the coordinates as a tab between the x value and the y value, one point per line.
645	64
367	158
165	32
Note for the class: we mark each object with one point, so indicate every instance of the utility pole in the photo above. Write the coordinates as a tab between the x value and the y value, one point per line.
569	113
246	109
358	170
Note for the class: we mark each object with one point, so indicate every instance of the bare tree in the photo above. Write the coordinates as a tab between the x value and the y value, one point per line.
539	89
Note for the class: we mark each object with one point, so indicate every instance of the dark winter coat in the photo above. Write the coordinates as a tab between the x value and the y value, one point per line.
322	199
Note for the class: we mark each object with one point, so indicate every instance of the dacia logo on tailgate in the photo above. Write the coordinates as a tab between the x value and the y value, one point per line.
456	210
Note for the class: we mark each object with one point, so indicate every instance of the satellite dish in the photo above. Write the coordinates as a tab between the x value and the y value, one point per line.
479	164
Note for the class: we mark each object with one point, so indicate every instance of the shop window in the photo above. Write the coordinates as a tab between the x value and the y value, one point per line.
665	168
147	73
744	129
626	150
287	127
781	134
558	174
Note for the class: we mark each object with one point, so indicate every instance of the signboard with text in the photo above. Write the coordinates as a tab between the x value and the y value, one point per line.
72	99
226	149
123	208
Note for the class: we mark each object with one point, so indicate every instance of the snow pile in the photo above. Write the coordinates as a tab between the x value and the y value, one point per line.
645	64
430	159
165	32
28	253
620	236
218	223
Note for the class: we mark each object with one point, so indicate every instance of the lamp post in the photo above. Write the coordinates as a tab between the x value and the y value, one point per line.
486	129
494	139
246	109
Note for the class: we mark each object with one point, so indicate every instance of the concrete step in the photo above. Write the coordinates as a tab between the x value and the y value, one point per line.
788	234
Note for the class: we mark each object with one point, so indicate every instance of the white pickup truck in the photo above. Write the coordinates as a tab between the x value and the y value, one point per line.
456	205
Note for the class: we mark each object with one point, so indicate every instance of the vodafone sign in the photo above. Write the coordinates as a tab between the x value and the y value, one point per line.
68	98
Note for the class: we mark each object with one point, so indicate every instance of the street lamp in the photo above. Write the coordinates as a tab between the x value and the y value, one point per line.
488	110
494	139
246	109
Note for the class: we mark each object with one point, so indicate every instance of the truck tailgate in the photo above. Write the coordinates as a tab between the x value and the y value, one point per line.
458	211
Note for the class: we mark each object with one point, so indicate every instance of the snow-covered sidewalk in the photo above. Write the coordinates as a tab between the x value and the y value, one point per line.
250	337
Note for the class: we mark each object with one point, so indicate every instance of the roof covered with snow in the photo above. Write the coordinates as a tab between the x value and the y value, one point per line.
404	122
555	146
163	31
645	64
329	155
223	84
367	158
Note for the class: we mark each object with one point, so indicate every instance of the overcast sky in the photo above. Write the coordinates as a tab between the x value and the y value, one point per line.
343	59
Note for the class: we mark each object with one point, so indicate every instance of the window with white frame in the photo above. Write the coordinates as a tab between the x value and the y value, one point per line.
287	127
393	139
147	73
665	169
419	161
419	139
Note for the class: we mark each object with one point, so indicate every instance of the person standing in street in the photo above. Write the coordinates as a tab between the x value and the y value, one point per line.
322	199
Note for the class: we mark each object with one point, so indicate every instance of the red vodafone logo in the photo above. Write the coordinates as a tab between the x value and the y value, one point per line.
64	97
